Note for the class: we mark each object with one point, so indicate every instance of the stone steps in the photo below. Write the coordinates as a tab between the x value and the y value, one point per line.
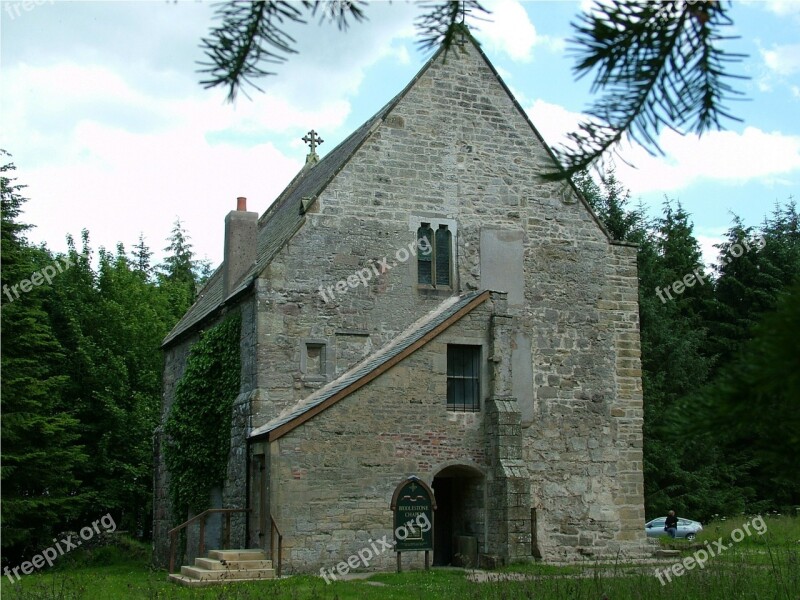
233	565
228	555
223	566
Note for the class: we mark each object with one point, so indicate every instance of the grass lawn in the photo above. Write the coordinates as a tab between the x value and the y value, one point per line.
762	567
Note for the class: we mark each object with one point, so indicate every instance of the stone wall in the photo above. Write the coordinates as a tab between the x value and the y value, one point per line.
235	488
584	450
163	518
622	304
509	497
333	477
456	148
233	493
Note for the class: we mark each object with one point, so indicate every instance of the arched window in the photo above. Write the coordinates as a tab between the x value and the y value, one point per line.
425	254
442	253
434	255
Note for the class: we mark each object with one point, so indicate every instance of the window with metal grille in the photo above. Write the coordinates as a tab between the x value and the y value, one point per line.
434	256
463	378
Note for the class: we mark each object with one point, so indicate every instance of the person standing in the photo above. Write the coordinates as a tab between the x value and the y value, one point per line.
671	524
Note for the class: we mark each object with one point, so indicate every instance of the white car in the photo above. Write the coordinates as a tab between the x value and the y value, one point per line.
686	528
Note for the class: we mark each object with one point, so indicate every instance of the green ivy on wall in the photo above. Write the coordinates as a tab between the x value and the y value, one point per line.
198	427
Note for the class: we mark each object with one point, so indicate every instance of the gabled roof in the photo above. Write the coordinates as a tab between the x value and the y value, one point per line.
277	225
415	336
286	215
208	300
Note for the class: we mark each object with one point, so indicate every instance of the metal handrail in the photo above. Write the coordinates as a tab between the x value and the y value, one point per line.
272	529
173	533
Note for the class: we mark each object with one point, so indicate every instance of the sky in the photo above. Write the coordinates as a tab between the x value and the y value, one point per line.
110	129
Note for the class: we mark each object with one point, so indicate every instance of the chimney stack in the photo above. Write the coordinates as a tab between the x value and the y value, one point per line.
241	245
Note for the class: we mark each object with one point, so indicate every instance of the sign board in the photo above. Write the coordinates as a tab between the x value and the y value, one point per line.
413	504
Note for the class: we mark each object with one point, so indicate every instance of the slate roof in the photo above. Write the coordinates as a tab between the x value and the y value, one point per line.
209	299
286	215
360	373
278	224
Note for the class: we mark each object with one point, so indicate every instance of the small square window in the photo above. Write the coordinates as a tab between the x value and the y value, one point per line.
313	361
463	378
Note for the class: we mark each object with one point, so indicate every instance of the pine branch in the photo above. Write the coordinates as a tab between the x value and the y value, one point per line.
660	66
338	11
443	20
252	34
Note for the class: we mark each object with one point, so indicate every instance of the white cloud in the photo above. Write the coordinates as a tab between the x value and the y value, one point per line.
509	30
778	7
553	121
764	84
123	146
117	178
724	156
142	183
707	238
96	95
783	60
401	55
332	63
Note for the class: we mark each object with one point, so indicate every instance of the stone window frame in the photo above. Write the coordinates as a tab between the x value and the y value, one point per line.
434	220
325	355
483	361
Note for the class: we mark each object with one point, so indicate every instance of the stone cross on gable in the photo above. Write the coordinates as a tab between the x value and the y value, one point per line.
313	140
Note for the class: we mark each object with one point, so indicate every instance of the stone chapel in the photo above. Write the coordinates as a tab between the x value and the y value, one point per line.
419	302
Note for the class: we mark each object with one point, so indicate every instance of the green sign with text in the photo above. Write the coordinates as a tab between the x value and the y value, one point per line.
413	505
